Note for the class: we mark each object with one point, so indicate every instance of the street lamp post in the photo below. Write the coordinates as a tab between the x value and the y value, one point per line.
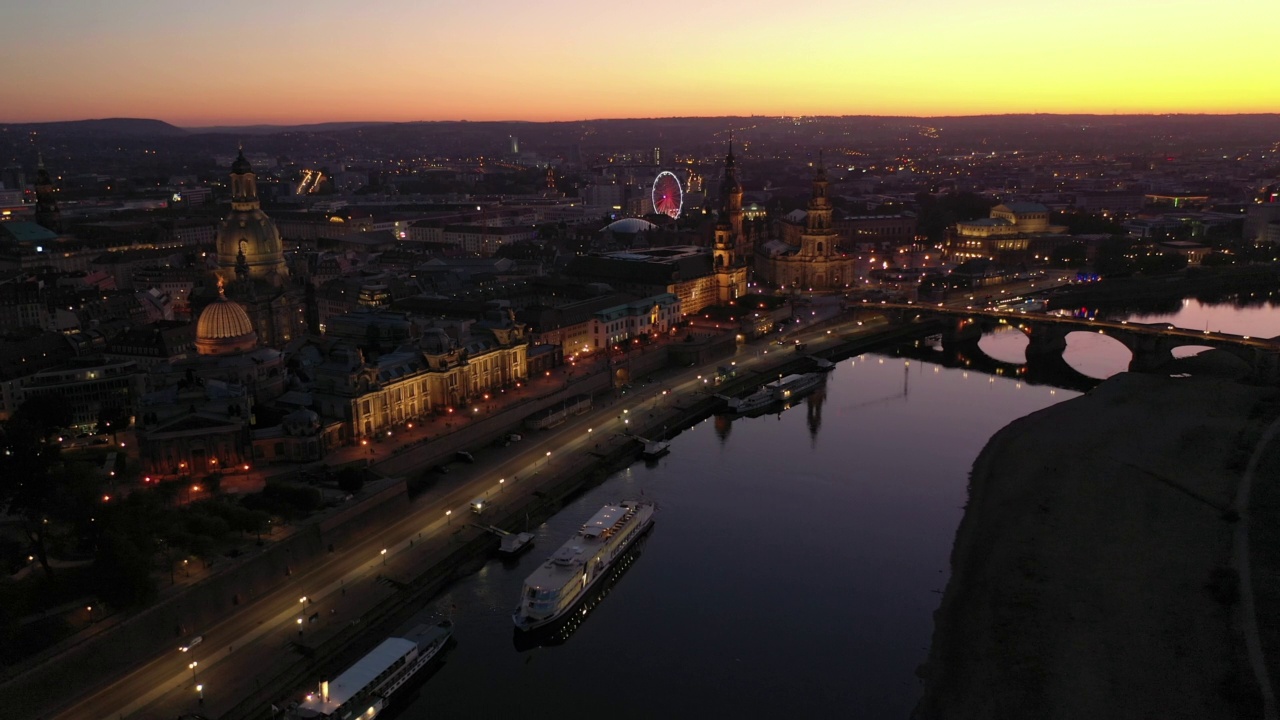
384	560
200	691
299	627
193	664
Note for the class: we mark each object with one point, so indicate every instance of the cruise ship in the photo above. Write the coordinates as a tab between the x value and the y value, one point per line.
559	632
364	690
567	576
783	389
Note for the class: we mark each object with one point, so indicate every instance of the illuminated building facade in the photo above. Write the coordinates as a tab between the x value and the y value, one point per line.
817	264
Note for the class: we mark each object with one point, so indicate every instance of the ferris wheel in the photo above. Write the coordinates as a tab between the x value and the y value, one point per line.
667	195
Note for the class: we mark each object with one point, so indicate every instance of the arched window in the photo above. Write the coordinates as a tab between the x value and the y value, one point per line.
819	248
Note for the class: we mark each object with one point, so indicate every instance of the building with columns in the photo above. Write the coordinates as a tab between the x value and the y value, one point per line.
817	264
195	420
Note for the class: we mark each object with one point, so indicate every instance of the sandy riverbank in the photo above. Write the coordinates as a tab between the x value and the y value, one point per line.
1091	571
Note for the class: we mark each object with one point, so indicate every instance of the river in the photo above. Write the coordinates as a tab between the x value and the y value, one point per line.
795	564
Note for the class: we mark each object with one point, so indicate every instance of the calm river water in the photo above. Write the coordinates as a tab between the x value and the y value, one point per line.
795	564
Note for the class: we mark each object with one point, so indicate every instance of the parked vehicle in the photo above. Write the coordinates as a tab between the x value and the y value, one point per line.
465	456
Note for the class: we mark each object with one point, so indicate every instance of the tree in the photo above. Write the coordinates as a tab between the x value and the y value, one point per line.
28	487
123	572
350	480
46	414
112	418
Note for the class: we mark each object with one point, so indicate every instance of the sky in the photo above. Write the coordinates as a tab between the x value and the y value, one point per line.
269	61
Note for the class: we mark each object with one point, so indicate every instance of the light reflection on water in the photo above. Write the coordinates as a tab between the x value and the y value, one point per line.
794	566
793	569
1100	356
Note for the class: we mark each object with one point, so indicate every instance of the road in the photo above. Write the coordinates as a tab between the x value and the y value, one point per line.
338	591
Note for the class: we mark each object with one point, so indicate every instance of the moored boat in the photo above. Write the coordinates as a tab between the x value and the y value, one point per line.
654	449
515	543
784	389
365	689
582	562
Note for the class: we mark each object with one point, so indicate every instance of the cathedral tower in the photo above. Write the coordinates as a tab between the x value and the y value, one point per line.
731	271
732	194
819	238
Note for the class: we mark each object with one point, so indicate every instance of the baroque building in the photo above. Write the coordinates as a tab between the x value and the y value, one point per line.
251	268
1009	236
448	367
817	264
196	418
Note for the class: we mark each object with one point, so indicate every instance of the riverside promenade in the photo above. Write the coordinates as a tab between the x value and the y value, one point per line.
353	594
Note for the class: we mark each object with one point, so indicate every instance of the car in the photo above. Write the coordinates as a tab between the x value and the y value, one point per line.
442	469
513	437
465	456
477	505
192	642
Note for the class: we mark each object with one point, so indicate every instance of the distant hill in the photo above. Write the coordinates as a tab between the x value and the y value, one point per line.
273	129
114	127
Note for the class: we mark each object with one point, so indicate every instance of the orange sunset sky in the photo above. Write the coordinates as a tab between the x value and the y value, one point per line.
237	62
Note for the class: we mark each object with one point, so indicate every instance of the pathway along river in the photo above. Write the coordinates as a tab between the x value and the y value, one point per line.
793	570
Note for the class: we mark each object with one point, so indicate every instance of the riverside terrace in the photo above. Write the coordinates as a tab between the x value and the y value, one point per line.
1150	344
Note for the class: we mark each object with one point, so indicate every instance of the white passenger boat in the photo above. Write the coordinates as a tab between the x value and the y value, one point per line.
761	398
566	577
787	388
783	389
365	689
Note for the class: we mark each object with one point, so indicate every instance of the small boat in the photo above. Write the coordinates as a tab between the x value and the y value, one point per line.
654	449
515	543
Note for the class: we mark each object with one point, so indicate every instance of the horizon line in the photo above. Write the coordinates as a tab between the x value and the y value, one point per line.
232	124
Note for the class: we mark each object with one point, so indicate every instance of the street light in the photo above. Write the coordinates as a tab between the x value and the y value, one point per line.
500	482
193	665
384	560
447	518
200	690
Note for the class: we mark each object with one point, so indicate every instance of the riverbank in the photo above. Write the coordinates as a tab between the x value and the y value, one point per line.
1092	572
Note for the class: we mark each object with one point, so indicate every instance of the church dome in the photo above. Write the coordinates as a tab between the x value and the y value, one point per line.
224	328
247	236
630	226
254	234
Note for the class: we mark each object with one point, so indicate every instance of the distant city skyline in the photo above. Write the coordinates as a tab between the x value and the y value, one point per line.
258	63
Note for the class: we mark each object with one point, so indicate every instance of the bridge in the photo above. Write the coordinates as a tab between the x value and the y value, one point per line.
1151	345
